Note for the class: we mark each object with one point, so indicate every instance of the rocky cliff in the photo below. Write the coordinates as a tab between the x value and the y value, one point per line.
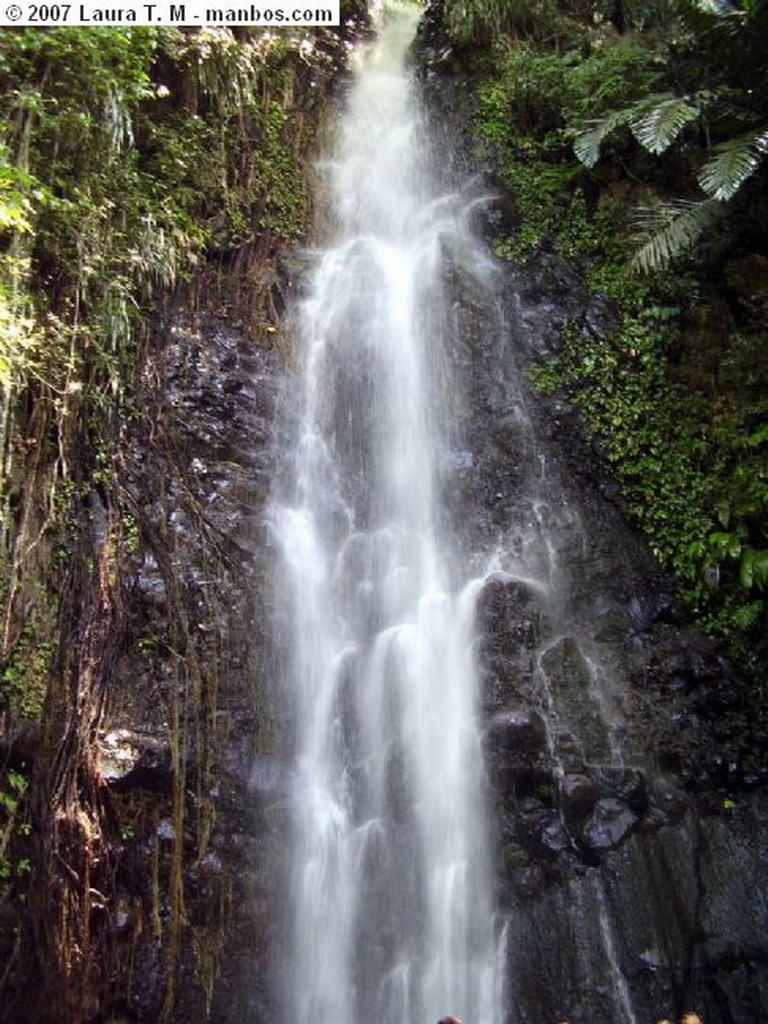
622	748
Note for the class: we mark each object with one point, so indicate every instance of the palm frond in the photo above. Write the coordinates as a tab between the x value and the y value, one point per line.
658	128
715	18
734	161
588	141
671	229
717	8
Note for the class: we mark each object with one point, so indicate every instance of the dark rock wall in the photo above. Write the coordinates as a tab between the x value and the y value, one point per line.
186	734
625	755
620	746
622	750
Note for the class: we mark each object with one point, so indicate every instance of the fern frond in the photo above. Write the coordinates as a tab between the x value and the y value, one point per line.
657	129
670	230
734	161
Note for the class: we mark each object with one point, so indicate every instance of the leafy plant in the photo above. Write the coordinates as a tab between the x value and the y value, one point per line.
659	120
575	132
14	828
668	230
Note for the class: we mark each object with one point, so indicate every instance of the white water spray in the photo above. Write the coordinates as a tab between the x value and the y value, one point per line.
391	912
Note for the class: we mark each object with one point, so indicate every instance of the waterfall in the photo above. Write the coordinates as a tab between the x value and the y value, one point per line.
391	911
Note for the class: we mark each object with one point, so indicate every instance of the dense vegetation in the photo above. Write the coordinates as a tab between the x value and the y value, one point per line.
632	138
138	167
130	160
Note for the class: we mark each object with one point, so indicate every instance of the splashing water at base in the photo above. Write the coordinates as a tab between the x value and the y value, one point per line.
391	912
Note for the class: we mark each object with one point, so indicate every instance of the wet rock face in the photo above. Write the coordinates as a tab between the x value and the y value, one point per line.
184	742
510	613
131	760
609	825
608	725
515	750
621	749
618	741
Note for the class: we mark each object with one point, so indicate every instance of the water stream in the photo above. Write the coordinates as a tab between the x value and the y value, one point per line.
391	916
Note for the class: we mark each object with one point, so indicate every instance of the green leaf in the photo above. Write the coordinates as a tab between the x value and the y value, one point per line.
748	615
758	438
734	162
671	229
723	510
8	802
726	544
587	143
657	129
753	571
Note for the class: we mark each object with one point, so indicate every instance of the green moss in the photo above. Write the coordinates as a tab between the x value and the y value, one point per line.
24	678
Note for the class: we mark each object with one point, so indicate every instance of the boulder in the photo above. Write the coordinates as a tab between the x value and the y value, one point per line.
609	824
134	760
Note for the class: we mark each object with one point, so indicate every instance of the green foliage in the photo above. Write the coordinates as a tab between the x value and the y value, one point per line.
538	92
24	679
737	548
690	451
694	475
632	408
16	784
283	183
734	161
524	96
526	112
479	20
126	155
15	828
729	43
656	121
588	142
669	230
658	127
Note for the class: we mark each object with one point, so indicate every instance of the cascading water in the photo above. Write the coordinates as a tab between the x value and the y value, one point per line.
390	893
452	571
